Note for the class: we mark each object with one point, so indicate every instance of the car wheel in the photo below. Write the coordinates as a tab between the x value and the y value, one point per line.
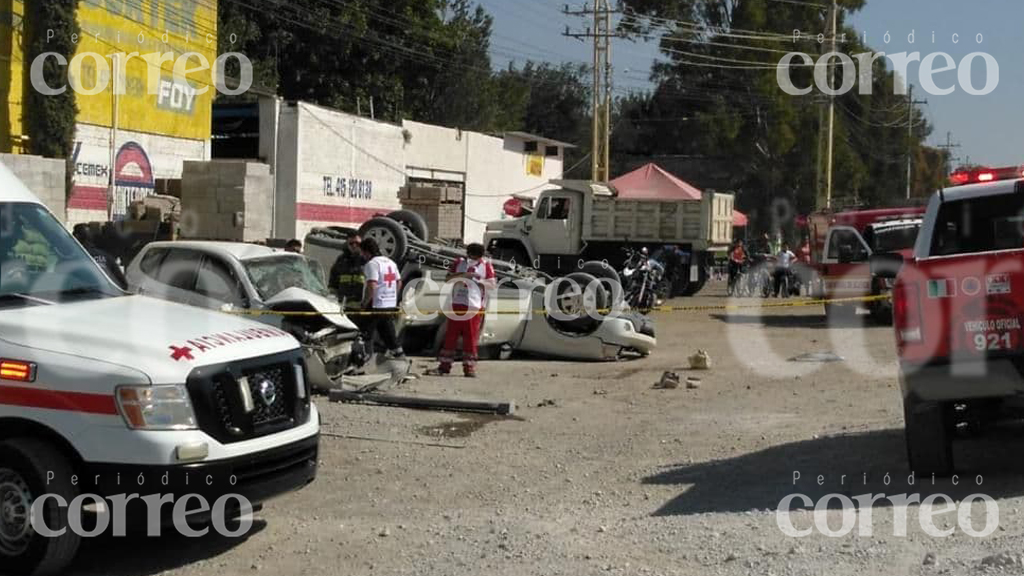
608	278
24	466
413	221
928	438
390	236
568	300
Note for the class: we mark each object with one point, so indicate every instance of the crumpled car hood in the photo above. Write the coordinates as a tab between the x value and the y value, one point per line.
297	297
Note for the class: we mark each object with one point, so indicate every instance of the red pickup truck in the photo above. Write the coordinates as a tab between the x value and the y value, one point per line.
958	303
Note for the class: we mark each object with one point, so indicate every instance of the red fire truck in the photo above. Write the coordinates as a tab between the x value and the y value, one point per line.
957	315
841	245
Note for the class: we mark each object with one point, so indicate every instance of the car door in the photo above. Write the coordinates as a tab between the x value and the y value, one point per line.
845	269
218	285
172	276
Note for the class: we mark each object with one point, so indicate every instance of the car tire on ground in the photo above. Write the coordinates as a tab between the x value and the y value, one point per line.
928	438
608	278
24	466
572	296
390	236
413	221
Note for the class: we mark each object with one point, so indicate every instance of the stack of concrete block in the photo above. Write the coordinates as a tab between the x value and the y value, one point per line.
440	206
44	177
419	194
226	200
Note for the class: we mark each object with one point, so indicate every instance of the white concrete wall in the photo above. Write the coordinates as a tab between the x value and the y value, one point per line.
347	169
44	177
436	152
498	169
140	160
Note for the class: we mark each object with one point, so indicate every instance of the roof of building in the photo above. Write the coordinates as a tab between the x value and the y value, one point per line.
537	138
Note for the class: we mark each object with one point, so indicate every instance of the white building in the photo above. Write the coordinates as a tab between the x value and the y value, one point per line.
337	169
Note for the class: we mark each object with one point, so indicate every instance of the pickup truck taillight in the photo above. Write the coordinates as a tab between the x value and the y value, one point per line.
906	312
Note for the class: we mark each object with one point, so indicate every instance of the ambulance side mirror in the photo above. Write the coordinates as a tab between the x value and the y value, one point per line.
886	265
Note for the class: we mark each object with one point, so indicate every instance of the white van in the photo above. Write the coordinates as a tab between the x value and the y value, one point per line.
104	394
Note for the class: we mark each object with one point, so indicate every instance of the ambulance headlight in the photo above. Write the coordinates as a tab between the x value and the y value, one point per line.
156	407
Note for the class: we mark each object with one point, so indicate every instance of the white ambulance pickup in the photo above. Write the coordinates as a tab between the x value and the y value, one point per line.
105	396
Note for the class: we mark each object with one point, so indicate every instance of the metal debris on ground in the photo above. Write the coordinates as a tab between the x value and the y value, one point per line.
817	357
443	404
669	381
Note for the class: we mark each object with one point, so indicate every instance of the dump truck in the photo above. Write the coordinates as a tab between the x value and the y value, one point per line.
584	226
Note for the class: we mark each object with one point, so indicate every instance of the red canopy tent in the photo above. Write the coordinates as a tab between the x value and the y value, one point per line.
652	182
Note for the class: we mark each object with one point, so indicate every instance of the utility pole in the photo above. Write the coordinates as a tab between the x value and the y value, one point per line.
831	114
948	147
602	35
910	136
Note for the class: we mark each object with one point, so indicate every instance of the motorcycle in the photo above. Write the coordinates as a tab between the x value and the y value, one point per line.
642	278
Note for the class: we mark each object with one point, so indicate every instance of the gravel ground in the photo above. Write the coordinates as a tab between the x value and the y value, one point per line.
599	472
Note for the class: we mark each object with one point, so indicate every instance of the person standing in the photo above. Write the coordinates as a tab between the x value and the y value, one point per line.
473	276
347	278
107	262
737	258
380	297
782	264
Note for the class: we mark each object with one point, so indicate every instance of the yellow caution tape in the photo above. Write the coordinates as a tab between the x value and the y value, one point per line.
457	313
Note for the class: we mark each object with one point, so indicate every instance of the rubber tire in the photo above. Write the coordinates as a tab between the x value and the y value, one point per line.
512	254
608	278
413	221
928	437
376	226
881	313
585	324
32	459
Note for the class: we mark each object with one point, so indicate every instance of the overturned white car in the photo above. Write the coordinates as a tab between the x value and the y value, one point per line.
578	317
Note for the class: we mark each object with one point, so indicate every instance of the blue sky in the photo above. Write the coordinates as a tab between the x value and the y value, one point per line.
989	128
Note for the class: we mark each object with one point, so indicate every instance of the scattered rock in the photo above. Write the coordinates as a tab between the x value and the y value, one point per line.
547	402
731	557
384	533
602	529
930	559
693	383
669	381
701	360
600	392
1001	560
796	550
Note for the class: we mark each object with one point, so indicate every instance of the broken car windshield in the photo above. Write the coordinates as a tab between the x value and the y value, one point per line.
273	275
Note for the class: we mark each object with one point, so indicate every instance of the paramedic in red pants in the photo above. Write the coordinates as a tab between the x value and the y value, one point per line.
473	276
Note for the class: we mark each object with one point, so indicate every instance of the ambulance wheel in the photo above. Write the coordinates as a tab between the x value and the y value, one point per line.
390	236
24	466
413	221
928	438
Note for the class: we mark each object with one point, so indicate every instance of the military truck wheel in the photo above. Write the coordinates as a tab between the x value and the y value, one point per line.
413	221
928	438
390	236
25	464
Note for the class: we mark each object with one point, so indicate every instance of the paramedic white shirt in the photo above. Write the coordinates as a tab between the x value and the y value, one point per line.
384	272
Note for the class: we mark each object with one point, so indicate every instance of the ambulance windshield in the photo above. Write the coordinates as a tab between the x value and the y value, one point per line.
40	259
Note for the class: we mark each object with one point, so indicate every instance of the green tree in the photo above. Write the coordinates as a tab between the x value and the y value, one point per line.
50	119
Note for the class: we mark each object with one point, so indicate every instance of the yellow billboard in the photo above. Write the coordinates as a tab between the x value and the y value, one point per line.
535	165
150	39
